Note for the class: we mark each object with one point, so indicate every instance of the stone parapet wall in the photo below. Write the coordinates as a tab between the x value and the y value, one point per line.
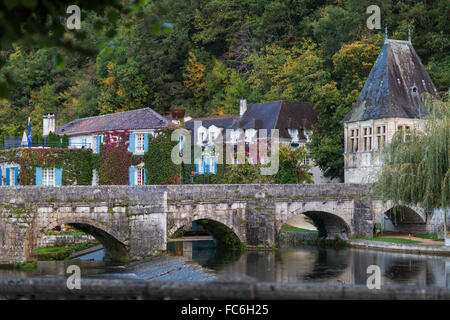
222	289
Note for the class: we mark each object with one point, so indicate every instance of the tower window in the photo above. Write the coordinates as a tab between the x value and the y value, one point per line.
354	140
381	135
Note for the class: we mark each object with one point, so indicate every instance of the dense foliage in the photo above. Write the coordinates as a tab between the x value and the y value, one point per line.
115	159
159	166
221	51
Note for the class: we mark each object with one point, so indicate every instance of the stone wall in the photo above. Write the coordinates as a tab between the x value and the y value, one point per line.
58	240
221	289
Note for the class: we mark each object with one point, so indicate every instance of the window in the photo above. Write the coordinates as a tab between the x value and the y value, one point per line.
307	161
367	139
140	142
354	140
381	135
140	180
294	134
48	176
406	132
12	176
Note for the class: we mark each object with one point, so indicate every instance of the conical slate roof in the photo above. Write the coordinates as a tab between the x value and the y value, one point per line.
394	86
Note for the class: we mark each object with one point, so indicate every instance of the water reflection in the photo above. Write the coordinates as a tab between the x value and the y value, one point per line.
311	264
305	264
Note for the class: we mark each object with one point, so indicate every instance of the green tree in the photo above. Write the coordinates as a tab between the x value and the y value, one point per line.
292	166
416	163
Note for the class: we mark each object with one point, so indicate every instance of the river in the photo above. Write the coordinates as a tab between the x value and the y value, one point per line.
302	264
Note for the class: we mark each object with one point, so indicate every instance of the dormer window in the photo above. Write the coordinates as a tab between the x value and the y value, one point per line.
294	134
202	135
249	135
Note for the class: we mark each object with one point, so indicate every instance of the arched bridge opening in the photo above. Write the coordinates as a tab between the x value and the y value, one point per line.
114	249
223	236
313	225
402	219
199	239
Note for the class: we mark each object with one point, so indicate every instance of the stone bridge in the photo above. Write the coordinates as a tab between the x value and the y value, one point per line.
135	221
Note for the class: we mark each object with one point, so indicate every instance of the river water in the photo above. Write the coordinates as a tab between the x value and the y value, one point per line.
302	264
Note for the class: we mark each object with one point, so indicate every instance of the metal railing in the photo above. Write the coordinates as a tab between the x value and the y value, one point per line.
49	145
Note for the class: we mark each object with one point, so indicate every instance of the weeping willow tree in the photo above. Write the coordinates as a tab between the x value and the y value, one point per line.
416	163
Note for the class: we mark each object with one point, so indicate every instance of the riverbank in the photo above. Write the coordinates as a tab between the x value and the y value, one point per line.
238	288
401	247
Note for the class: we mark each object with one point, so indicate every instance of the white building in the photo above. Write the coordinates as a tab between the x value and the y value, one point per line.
293	120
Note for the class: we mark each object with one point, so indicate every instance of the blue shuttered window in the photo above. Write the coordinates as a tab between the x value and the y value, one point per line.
132	142
58	176
16	176
145	142
181	144
38	176
131	175
99	142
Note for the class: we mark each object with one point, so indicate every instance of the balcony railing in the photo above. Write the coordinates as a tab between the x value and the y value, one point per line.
49	145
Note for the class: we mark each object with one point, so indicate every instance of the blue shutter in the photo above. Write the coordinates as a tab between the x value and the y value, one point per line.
196	165
145	176
215	165
16	176
38	176
8	183
1	177
131	145
99	142
145	142
207	160
204	165
181	143
58	176
131	175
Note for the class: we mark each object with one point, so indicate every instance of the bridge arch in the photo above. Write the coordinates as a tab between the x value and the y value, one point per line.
217	223
405	219
113	243
327	217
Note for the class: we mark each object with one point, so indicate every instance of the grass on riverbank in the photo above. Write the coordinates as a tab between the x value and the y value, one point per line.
392	240
62	252
428	236
289	228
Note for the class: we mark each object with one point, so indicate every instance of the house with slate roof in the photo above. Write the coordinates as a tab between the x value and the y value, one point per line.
293	120
391	100
89	133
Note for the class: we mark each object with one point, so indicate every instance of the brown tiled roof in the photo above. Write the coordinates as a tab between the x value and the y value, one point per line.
145	118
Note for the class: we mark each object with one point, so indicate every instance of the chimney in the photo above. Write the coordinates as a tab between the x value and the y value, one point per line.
51	122
45	125
48	124
243	107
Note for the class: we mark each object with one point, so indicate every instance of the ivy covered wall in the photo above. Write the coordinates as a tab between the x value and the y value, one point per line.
76	164
159	166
